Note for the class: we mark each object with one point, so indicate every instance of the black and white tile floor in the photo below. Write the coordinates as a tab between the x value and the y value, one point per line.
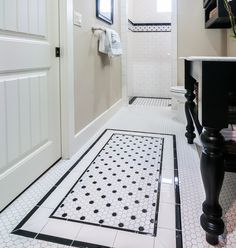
151	102
120	187
43	226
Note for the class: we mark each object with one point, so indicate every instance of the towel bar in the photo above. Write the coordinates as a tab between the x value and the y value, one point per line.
100	29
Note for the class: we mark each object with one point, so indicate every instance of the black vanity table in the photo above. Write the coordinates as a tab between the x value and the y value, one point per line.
211	80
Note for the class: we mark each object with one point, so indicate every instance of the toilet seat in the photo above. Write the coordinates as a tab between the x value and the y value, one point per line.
178	89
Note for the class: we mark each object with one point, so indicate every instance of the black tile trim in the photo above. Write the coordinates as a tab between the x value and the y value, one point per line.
132	100
17	231
56	185
54	239
159	189
80	244
26	234
178	224
29	186
25	219
149	27
112	227
179	240
149	23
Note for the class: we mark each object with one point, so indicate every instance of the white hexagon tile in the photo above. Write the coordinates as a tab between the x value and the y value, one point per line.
106	199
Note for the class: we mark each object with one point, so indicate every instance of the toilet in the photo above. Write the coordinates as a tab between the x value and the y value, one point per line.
178	102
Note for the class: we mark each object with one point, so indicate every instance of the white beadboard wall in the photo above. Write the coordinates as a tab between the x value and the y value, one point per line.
149	54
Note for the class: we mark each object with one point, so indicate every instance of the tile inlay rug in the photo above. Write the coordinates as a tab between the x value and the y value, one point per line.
120	187
113	192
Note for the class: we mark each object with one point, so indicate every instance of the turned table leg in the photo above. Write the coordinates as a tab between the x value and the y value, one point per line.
212	170
189	106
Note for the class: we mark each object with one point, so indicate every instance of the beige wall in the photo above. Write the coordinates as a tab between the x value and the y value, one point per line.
97	78
231	44
193	38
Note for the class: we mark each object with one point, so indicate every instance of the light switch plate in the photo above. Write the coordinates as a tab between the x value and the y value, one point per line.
77	19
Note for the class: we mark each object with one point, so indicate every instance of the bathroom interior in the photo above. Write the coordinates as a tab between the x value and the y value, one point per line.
118	123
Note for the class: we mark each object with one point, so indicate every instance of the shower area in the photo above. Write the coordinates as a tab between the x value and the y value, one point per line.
150	50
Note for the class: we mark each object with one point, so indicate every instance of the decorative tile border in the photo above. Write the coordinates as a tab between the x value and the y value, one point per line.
107	155
150	101
58	240
149	27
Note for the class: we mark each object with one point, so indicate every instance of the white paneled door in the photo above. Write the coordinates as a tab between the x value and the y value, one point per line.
29	93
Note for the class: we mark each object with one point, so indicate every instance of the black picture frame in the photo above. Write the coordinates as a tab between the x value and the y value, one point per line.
106	17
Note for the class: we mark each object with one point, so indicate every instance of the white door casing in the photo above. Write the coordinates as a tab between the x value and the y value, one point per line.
29	93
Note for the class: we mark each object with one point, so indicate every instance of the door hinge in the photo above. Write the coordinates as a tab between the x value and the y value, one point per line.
58	52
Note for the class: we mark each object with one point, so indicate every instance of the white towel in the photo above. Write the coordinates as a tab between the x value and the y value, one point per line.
109	43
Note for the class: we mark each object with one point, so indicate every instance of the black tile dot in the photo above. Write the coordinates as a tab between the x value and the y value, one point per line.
82	218
75	199
108	205
78	208
121	225
144	211
64	215
136	202
114	214
126	208
91	202
141	229
133	217
101	221
96	211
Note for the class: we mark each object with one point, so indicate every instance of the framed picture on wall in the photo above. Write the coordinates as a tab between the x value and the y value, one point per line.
105	10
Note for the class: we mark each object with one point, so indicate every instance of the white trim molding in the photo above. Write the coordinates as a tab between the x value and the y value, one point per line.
67	77
90	130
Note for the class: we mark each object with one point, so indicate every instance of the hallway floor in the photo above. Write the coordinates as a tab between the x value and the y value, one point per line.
72	204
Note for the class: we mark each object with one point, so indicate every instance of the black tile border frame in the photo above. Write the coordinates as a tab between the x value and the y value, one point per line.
111	227
57	240
164	27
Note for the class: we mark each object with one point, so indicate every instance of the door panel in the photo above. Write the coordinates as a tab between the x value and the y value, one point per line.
29	93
